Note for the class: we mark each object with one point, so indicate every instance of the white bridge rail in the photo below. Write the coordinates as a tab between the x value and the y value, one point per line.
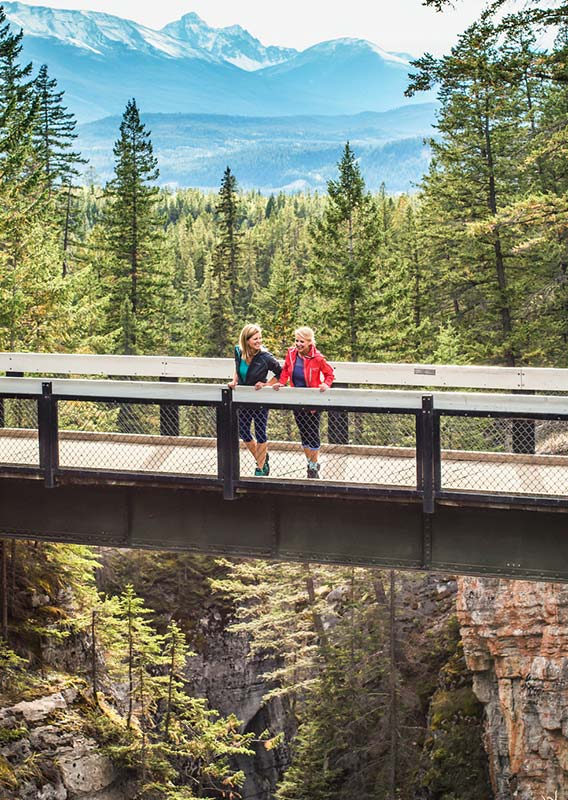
478	403
372	374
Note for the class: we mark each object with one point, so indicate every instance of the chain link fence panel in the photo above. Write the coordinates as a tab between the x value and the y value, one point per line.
138	437
357	448
504	456
19	443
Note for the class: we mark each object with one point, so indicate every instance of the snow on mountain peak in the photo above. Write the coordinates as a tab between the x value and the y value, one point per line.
188	37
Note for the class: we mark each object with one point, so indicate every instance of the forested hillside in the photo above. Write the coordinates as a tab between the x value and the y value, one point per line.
366	669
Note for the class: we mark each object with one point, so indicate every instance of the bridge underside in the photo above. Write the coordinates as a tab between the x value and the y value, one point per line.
464	539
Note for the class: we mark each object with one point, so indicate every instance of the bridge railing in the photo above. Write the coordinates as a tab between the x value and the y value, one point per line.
172	368
420	446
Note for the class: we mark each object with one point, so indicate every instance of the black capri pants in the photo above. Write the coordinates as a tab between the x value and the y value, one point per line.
308	423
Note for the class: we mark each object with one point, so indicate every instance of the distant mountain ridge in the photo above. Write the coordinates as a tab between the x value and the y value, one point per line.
274	154
101	61
232	44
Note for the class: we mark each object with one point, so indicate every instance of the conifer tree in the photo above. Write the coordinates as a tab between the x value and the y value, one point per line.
344	266
473	174
55	133
138	275
142	646
54	137
226	263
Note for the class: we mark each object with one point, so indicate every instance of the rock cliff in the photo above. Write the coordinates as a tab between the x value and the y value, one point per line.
515	637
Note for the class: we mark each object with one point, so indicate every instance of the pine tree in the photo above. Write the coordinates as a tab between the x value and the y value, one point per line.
473	175
138	273
55	133
226	257
54	137
344	267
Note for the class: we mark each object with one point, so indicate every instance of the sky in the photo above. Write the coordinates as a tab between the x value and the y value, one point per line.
396	25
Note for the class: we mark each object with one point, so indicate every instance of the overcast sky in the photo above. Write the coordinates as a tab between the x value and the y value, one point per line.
396	25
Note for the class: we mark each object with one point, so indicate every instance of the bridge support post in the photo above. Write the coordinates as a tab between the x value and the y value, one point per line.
425	452
227	444
48	434
169	415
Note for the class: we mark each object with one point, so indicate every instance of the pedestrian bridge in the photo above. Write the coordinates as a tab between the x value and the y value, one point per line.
459	469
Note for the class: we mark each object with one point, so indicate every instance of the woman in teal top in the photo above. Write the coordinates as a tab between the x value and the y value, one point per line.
252	365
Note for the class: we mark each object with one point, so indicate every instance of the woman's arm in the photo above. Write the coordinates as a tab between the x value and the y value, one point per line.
284	376
328	375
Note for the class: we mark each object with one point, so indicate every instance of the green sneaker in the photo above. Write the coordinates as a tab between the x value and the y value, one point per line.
313	469
266	468
258	473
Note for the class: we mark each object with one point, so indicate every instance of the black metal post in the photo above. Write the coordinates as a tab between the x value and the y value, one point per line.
225	443
338	423
169	414
48	434
427	453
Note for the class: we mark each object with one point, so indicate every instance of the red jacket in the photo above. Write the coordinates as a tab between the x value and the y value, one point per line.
316	369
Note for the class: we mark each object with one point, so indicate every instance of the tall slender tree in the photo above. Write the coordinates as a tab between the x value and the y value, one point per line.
344	264
139	275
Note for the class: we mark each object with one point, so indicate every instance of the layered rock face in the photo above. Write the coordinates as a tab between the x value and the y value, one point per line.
515	636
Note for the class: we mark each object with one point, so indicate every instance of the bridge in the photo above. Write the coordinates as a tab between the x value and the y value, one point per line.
455	469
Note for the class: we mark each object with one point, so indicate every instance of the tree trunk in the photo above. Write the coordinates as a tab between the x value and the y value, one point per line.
393	723
4	582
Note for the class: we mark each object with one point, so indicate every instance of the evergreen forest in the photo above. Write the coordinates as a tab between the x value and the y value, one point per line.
370	684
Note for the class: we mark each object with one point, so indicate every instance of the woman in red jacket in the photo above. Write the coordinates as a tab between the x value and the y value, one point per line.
305	366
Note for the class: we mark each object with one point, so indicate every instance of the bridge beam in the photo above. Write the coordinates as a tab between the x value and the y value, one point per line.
385	533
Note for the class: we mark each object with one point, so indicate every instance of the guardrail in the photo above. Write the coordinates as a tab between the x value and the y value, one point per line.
411	445
221	369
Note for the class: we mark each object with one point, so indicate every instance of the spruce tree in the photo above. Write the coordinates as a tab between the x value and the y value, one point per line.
138	273
226	257
473	174
344	266
54	137
55	133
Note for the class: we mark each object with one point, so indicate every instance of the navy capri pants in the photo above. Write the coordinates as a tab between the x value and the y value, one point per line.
260	417
308	423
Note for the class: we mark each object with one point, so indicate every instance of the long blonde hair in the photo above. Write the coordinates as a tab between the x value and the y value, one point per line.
306	333
247	333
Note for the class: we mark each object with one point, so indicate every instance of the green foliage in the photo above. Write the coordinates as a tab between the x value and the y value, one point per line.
8	778
12	670
138	275
454	760
344	267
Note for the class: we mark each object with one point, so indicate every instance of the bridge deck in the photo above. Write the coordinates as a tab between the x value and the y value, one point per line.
464	471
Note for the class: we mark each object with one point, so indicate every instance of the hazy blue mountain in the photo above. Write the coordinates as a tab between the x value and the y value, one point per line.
101	61
233	44
271	154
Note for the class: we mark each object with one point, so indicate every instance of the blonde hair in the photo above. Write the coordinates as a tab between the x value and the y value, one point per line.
306	333
247	333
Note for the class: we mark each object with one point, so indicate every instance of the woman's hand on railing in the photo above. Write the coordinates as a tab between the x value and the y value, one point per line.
232	384
259	385
277	386
323	387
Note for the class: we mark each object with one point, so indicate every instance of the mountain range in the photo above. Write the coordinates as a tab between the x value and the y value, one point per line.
216	96
102	61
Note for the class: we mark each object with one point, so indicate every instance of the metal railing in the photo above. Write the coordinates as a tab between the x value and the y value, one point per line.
419	446
488	378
